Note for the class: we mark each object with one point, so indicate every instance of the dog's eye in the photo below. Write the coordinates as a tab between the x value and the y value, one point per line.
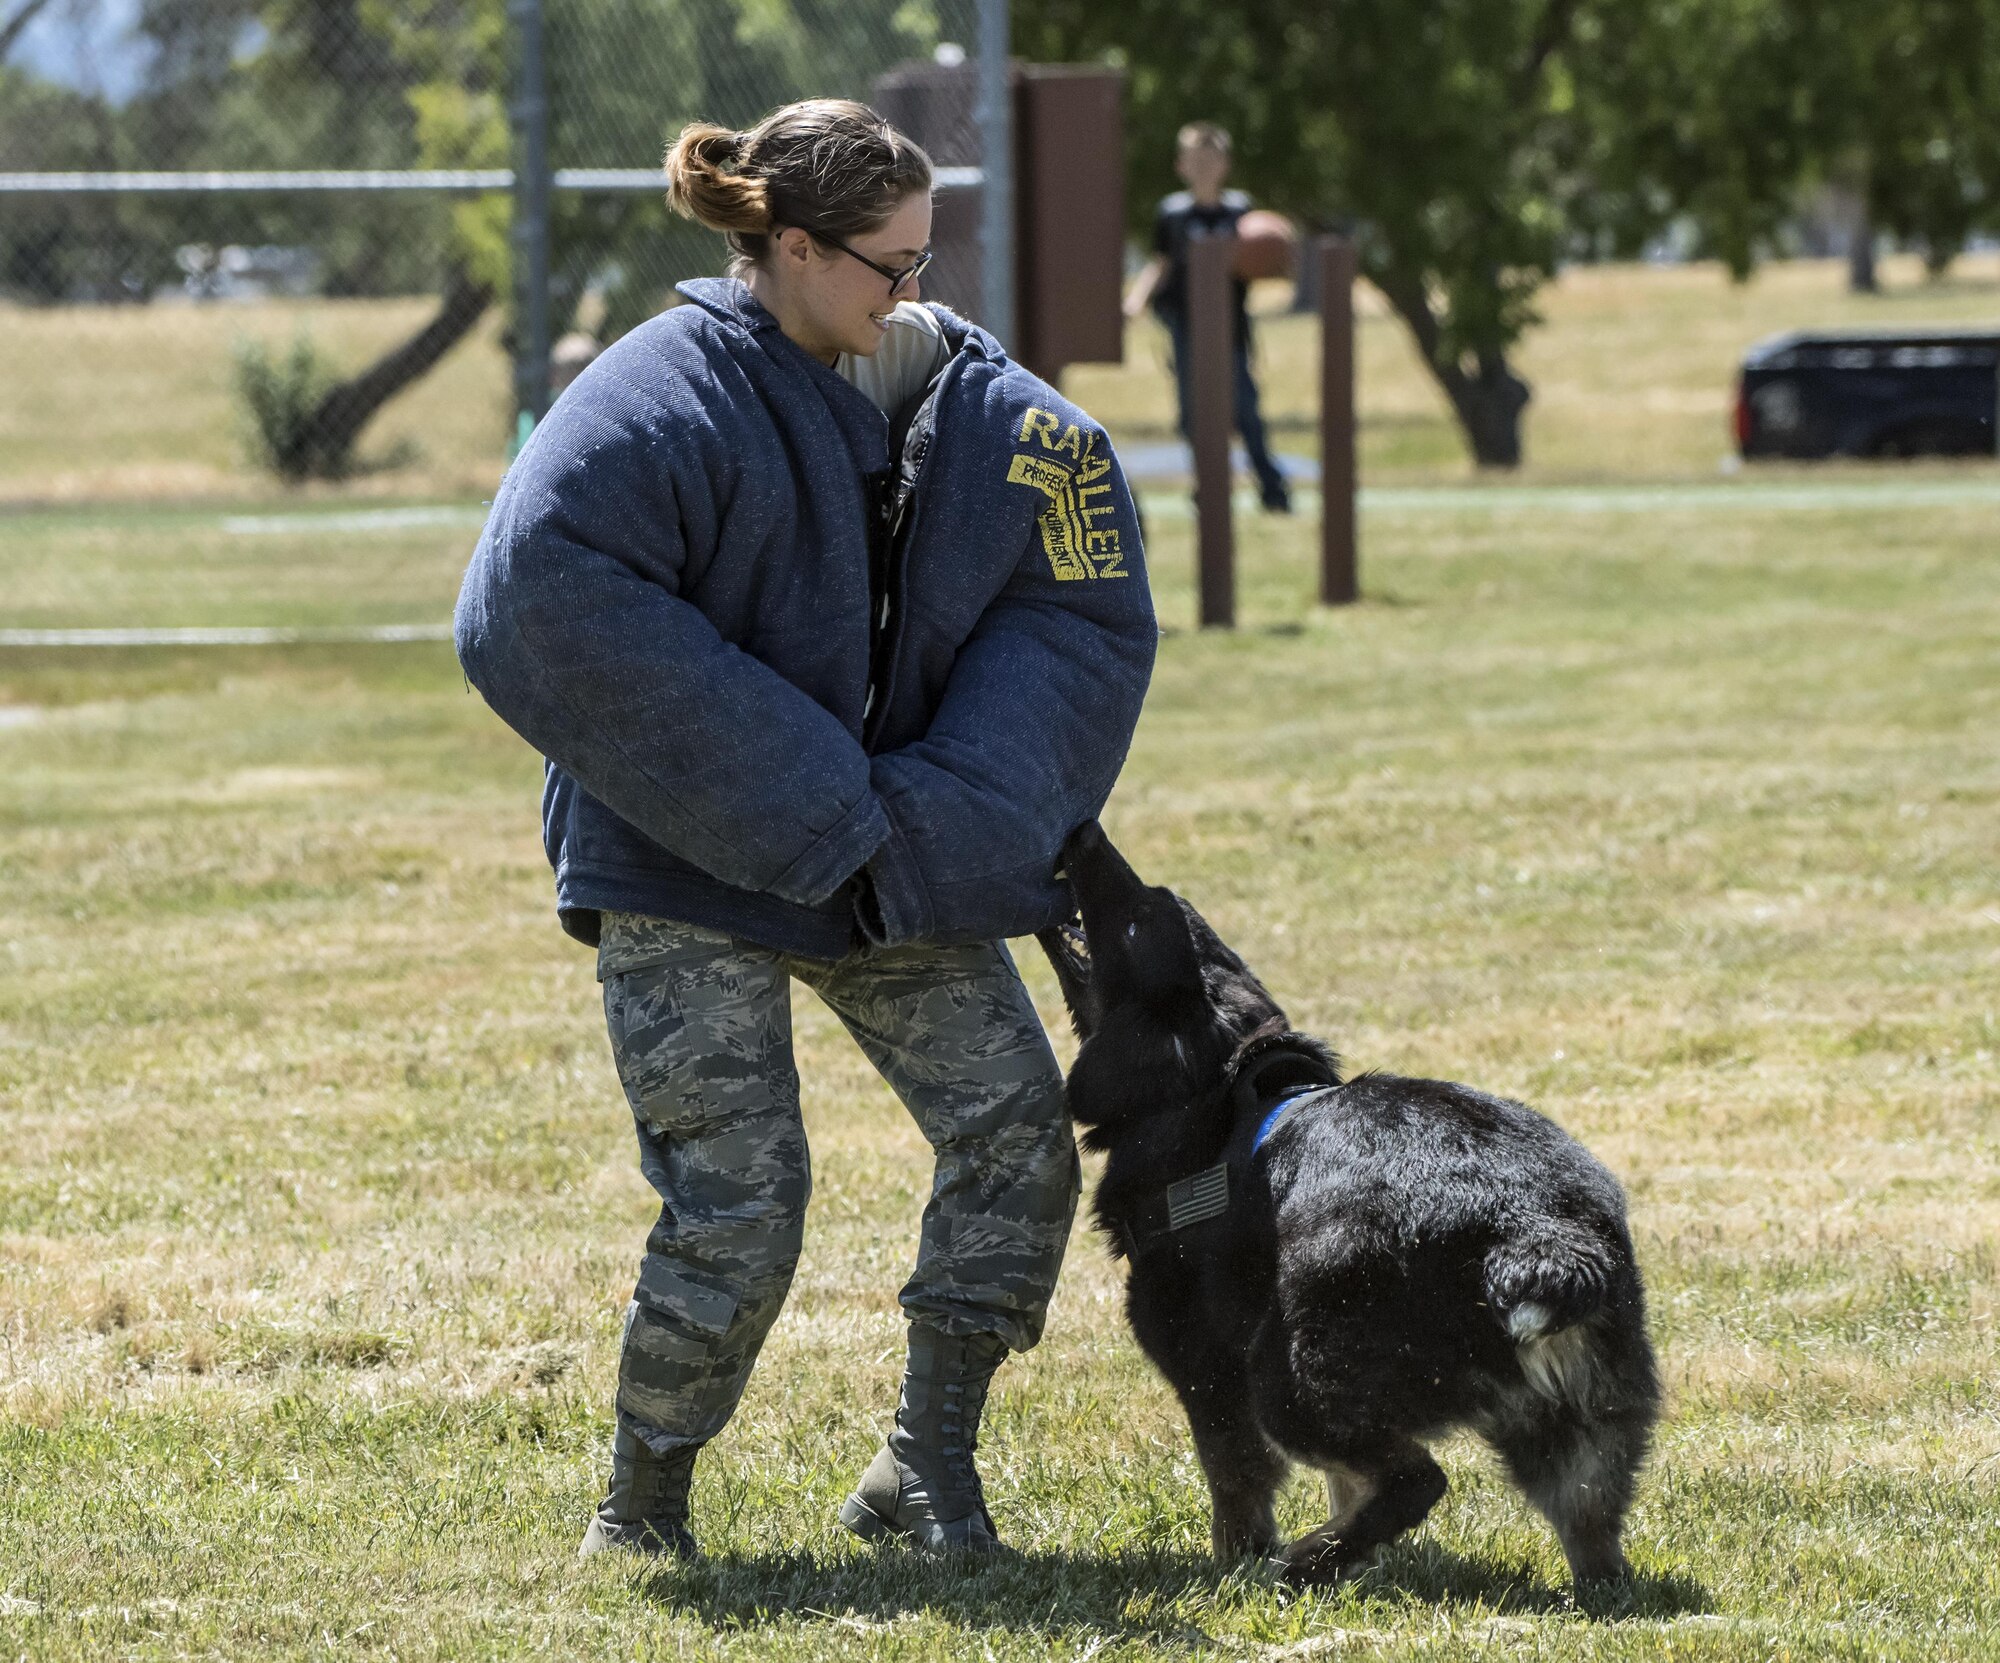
1132	930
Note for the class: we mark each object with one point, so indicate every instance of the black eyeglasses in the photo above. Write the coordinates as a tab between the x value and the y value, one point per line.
897	279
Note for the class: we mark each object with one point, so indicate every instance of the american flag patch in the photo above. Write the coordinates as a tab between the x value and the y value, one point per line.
1194	1200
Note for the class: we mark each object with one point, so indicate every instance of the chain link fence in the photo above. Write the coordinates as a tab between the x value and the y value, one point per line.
625	75
485	152
149	121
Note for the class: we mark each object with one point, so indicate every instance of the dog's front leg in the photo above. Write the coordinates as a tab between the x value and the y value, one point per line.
1242	1469
1188	1332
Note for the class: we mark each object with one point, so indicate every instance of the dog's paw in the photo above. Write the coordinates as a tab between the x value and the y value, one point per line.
1607	1595
1262	1551
1318	1558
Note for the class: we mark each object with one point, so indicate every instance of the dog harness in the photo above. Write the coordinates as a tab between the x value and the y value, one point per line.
1292	1095
1295	1072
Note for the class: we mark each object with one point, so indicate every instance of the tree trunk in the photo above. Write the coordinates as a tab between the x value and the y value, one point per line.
1486	395
1861	278
1489	405
324	446
1851	183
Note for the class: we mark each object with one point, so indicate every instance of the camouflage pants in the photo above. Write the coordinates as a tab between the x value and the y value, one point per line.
701	1029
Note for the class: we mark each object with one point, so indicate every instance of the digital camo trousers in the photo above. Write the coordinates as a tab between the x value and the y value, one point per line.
701	1030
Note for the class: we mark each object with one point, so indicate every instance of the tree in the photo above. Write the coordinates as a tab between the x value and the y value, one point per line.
733	61
1726	111
1914	137
452	63
423	83
433	75
49	247
1472	145
612	106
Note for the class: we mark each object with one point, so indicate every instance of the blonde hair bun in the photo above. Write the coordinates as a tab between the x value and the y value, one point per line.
704	183
827	165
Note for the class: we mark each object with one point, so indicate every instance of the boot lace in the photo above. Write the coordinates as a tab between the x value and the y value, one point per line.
660	1487
959	1444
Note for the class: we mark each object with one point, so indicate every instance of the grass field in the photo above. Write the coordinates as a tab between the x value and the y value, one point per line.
318	1209
1633	371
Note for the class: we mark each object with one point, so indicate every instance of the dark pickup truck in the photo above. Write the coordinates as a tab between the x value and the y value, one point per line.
1919	393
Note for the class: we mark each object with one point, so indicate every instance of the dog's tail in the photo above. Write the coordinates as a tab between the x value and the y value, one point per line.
1540	1288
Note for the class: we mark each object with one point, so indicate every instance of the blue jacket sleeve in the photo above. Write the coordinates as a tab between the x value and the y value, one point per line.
1036	719
572	626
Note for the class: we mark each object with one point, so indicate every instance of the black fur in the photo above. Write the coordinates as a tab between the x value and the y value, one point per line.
1401	1258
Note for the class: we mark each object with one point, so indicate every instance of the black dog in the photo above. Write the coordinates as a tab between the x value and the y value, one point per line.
1332	1272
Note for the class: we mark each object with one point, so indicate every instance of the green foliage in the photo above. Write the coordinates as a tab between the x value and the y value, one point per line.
452	62
458	127
610	106
1915	127
50	248
1472	145
733	61
1435	132
290	84
424	83
1444	136
279	396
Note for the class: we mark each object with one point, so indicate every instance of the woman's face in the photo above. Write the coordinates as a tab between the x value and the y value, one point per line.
826	299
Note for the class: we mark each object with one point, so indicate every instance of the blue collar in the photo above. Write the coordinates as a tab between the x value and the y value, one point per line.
1291	1096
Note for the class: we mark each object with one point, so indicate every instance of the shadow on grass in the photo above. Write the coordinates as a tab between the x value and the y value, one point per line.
1430	1572
1140	1596
1129	1597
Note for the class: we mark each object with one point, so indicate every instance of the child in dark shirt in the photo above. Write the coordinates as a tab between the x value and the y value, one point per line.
1205	209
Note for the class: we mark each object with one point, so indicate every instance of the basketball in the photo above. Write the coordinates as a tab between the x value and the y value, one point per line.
1266	245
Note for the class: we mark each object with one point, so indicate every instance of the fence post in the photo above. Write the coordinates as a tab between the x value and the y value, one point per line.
1339	559
1211	384
530	231
996	164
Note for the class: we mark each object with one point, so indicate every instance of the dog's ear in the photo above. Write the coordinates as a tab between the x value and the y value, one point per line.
1238	1002
1068	951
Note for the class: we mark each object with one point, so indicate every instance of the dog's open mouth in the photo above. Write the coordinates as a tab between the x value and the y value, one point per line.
1075	943
1067	949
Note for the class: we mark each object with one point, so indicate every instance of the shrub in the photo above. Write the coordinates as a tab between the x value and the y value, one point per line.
281	397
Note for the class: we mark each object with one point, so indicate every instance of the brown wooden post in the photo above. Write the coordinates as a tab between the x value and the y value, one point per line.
1212	393
1339	556
1069	217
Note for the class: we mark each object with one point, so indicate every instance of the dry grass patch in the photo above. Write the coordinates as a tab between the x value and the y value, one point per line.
1633	370
138	403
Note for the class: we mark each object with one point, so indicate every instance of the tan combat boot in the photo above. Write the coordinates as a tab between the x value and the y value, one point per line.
647	1508
922	1486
